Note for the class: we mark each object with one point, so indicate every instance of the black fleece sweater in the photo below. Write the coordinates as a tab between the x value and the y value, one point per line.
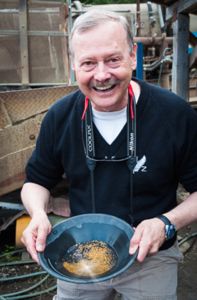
166	151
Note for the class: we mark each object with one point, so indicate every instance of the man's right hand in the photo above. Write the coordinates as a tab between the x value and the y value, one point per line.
35	234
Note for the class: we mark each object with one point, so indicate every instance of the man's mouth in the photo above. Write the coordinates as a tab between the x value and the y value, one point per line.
104	88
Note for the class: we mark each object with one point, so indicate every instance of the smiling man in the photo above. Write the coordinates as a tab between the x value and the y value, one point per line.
124	146
104	65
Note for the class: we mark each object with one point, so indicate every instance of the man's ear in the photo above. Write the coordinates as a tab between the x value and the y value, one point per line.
133	56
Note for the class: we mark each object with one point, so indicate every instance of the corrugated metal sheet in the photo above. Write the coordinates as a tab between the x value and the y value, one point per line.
21	113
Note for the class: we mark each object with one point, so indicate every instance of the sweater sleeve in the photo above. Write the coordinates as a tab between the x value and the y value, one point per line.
44	168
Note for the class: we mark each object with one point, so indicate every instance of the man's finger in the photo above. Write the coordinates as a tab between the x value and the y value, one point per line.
135	241
30	246
143	250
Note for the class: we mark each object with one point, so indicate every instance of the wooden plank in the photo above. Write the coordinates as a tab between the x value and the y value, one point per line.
21	105
164	2
24	52
31	36
20	136
21	113
182	6
193	57
12	169
180	68
13	4
4	117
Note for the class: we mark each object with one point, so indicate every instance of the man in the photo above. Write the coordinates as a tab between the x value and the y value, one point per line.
118	159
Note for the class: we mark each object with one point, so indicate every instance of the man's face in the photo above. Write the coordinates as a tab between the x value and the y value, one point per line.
103	65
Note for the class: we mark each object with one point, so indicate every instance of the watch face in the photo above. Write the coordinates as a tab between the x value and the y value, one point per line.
170	231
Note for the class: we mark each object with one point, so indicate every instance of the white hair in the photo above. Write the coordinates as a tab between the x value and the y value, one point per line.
95	17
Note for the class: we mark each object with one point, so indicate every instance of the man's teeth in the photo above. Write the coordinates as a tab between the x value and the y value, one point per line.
104	88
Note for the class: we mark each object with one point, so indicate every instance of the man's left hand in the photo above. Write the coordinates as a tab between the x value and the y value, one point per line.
149	235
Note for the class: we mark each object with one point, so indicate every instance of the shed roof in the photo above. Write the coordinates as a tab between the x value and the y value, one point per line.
165	2
182	6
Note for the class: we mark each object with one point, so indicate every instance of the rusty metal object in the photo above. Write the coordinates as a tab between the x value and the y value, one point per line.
150	41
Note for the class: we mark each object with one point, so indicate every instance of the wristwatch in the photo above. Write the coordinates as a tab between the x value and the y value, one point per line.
170	229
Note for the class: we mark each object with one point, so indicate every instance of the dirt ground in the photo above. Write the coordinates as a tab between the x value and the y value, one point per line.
187	287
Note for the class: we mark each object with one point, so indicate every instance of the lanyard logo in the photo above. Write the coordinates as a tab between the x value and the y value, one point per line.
131	141
89	138
140	165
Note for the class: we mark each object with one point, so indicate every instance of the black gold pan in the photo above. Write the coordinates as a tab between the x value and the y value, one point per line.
88	248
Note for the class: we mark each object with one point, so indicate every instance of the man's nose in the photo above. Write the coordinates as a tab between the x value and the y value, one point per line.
101	72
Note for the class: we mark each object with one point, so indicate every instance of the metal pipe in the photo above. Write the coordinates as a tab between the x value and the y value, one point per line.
153	40
139	69
138	18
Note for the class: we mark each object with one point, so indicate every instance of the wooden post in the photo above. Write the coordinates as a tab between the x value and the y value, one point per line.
180	69
24	52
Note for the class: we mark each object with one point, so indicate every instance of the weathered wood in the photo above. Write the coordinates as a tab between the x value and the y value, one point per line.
12	169
24	49
12	4
32	43
180	69
193	58
21	105
4	117
181	7
164	2
193	102
20	136
21	113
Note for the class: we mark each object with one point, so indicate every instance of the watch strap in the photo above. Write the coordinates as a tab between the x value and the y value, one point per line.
170	229
164	219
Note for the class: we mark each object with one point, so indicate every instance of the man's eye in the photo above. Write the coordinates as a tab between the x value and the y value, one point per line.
114	59
88	65
113	62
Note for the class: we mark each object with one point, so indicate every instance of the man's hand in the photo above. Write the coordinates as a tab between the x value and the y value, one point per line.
34	236
149	235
